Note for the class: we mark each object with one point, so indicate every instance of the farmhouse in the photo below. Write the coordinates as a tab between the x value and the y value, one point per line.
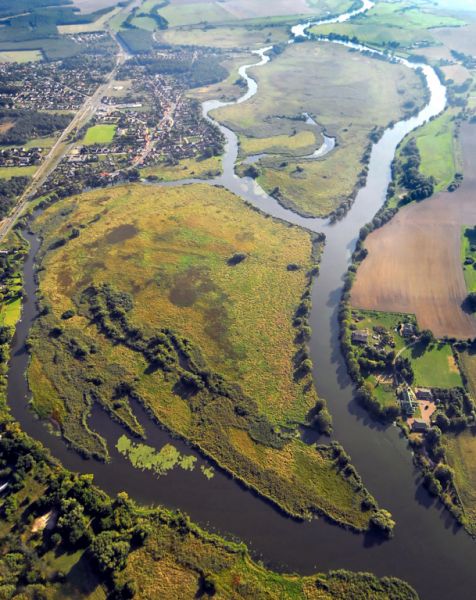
360	337
407	330
419	426
408	401
424	394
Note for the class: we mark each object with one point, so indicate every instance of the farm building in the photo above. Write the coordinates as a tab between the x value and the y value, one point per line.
360	337
424	394
419	426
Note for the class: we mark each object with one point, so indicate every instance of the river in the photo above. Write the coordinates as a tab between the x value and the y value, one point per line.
428	550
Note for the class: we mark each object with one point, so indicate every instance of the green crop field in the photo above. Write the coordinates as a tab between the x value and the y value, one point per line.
439	149
468	257
7	172
190	270
394	24
434	366
348	103
99	134
21	56
200	12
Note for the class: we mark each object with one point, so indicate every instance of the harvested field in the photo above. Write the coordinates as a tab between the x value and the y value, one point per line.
462	39
249	9
414	262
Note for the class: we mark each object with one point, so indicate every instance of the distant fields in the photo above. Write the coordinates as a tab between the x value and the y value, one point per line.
393	24
99	134
187	272
21	56
348	103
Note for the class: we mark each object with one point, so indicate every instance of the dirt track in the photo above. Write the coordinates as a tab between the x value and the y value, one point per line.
414	262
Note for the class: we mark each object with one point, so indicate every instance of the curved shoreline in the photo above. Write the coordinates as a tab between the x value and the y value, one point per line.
424	536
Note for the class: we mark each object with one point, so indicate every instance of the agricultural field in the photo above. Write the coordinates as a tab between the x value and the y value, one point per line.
99	134
460	451
229	37
178	14
21	56
191	292
414	262
7	172
97	25
439	149
468	257
349	103
467	360
399	25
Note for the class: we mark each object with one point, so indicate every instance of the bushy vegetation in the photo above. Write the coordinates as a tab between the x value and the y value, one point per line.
63	537
30	124
192	341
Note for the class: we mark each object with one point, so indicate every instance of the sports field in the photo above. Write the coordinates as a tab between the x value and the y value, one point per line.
99	134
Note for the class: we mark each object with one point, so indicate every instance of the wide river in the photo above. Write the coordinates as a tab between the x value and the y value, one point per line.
428	550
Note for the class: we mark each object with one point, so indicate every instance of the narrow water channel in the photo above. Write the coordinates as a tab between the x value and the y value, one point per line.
428	550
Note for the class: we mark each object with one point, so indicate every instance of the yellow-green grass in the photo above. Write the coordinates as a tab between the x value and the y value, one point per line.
439	149
226	37
354	94
189	167
99	134
434	366
468	250
169	249
10	310
161	574
467	361
146	23
98	25
8	172
21	56
197	12
392	23
460	451
299	144
41	142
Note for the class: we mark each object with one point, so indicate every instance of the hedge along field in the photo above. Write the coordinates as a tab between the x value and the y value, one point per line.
184	299
354	95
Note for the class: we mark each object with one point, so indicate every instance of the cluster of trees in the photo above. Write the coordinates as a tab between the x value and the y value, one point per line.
418	186
456	411
192	71
10	189
30	124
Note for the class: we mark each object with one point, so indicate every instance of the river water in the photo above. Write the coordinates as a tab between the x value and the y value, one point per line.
428	550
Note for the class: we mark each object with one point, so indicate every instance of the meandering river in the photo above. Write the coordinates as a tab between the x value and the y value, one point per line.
428	550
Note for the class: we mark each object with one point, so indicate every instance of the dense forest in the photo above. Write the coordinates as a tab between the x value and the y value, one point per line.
29	124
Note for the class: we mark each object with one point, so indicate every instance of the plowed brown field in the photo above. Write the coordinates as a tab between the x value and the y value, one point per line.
414	263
